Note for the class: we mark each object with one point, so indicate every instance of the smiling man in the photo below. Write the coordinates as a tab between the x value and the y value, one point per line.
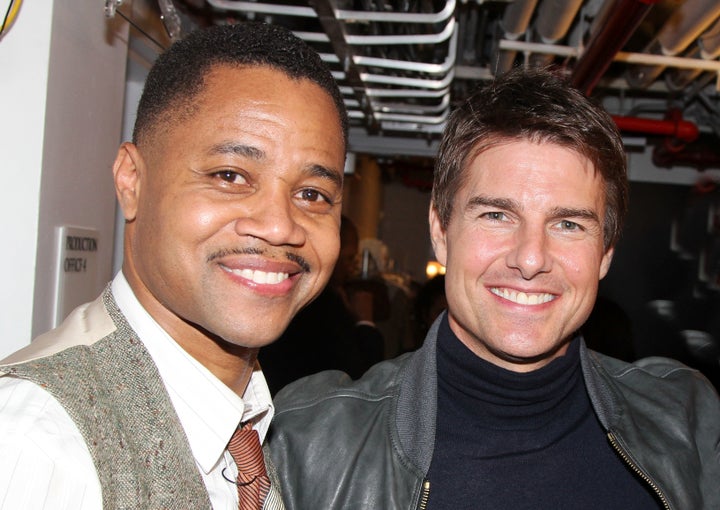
504	407
524	251
231	192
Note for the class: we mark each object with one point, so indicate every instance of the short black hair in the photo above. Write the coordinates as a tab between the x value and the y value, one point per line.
178	75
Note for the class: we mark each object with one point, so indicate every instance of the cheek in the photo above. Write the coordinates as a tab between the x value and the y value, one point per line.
322	243
473	254
202	217
197	219
581	266
328	247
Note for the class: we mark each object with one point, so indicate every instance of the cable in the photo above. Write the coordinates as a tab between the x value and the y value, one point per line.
137	27
10	14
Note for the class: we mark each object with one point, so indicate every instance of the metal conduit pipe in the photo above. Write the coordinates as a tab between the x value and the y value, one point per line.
553	21
514	24
346	15
675	127
707	47
467	26
620	56
387	107
685	25
611	34
376	40
420	67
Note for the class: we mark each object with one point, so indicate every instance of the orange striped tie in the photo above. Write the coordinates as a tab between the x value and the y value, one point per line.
253	483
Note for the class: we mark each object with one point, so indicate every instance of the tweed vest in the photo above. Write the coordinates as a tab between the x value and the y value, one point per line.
112	390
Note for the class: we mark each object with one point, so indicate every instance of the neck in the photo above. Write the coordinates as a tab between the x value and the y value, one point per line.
232	364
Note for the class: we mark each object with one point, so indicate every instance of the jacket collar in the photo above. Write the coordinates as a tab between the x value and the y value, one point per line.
417	397
417	402
605	398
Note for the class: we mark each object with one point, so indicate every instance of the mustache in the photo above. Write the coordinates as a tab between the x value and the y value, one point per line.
293	257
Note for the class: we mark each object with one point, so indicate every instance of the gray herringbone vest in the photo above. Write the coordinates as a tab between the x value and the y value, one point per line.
113	392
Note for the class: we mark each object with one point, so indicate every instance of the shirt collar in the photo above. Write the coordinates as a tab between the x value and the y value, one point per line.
208	410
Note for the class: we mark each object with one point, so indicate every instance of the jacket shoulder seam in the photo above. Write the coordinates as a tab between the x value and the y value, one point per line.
357	395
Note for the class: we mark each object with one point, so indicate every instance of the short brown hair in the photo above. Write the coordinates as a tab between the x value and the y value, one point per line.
539	106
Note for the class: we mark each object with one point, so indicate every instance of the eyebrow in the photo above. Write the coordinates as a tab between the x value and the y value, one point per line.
570	212
256	154
507	204
498	203
324	172
237	149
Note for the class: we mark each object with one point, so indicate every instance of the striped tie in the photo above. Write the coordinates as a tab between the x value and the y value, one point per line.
253	483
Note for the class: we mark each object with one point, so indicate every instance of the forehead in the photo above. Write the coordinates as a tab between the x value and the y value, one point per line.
259	84
526	168
253	101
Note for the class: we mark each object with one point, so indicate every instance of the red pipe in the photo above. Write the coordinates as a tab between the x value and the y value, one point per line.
675	127
619	24
698	156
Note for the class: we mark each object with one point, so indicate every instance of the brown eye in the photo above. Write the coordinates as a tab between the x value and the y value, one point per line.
230	176
312	195
227	176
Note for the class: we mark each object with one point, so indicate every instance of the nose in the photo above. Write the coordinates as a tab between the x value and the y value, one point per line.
529	253
272	217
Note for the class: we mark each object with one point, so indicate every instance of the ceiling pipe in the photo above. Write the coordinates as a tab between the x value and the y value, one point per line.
468	26
700	156
674	126
612	32
707	47
552	23
620	56
514	24
686	24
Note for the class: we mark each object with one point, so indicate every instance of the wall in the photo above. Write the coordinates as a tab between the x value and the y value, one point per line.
63	81
404	228
24	54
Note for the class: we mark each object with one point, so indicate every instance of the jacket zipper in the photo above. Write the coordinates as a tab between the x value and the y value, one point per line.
637	470
424	495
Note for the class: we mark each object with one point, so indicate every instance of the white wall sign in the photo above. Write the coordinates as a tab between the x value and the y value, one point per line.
76	280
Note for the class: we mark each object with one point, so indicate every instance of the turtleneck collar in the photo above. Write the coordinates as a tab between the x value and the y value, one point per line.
493	397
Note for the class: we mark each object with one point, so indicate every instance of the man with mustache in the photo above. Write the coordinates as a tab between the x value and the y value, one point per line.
231	193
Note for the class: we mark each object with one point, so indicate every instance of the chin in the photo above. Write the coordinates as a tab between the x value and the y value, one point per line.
237	336
532	356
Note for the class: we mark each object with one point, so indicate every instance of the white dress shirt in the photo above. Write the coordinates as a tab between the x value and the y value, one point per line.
45	464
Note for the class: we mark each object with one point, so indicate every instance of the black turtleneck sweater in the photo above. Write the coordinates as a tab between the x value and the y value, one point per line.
508	440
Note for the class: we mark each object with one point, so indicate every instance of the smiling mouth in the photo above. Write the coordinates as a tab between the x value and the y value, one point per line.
523	298
261	277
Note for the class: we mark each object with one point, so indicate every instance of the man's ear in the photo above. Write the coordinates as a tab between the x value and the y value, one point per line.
437	236
126	171
605	262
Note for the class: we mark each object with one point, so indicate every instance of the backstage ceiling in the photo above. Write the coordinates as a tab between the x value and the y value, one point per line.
403	64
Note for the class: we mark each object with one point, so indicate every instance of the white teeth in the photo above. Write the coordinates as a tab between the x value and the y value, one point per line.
522	298
261	277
